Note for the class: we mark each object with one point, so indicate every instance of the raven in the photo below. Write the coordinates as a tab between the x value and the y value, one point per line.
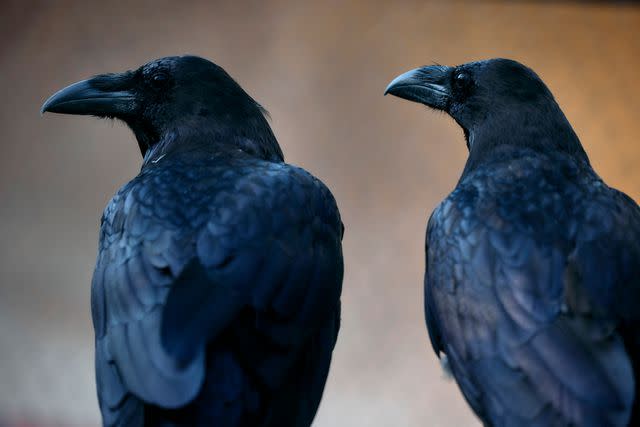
216	294
532	276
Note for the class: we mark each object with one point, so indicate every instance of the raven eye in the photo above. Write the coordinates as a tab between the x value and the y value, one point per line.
461	80
159	80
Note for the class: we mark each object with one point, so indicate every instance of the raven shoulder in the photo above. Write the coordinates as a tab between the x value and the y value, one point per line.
528	261
191	245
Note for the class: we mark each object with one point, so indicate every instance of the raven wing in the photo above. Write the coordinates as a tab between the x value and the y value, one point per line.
188	249
518	268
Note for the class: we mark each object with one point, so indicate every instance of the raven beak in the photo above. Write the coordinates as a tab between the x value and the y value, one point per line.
426	85
100	96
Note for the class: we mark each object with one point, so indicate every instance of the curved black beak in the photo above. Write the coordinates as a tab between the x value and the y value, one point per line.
104	96
426	85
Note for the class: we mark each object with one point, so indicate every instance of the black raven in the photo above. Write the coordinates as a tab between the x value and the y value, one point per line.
216	293
532	283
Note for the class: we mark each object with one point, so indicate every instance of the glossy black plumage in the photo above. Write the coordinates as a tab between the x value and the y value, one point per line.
533	262
215	297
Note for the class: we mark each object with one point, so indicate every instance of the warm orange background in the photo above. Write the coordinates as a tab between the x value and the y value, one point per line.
321	70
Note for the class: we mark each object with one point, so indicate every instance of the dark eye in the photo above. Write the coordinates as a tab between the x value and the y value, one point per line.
461	80
159	80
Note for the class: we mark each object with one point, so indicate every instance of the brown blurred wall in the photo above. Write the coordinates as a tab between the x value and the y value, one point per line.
320	68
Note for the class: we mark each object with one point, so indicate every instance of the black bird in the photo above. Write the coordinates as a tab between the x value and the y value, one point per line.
216	294
532	283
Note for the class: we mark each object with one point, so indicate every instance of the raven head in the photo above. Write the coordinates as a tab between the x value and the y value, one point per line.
180	94
497	100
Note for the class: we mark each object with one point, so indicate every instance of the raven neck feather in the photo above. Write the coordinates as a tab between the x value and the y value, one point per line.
546	134
255	139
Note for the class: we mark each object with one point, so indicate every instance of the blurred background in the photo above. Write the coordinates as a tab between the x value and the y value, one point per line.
320	69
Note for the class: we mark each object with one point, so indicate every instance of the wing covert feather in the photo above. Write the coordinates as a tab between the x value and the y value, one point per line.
530	328
186	252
